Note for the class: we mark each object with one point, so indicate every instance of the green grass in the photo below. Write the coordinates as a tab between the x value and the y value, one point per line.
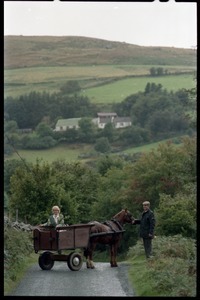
119	90
147	147
139	277
23	81
9	284
66	152
70	153
171	272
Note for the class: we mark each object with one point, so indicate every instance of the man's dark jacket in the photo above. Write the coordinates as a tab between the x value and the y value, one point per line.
147	224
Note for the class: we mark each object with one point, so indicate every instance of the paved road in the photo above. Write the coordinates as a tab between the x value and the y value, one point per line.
61	281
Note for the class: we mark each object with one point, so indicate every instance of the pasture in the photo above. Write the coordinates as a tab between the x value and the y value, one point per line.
117	91
102	84
70	153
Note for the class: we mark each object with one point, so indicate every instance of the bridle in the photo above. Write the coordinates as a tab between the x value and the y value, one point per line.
123	220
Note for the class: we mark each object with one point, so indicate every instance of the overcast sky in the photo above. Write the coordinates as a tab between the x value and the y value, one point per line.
146	24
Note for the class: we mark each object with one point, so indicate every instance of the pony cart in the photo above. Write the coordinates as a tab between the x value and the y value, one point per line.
62	238
84	236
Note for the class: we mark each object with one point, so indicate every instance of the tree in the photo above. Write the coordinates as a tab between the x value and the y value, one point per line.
34	141
34	192
107	162
10	127
165	170
80	184
27	110
43	130
132	135
11	136
109	132
152	71
71	86
87	130
160	71
160	121
10	167
111	199
177	215
102	145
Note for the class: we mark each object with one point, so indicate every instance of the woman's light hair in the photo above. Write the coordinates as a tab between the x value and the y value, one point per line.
55	208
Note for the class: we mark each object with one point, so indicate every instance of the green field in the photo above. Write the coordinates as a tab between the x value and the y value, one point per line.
70	153
97	82
119	90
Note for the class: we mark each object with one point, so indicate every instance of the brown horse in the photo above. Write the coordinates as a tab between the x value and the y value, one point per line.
108	232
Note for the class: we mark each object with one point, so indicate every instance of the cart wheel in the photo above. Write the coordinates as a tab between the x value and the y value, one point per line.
75	261
45	261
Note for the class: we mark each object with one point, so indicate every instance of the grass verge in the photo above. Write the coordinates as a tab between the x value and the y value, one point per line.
11	283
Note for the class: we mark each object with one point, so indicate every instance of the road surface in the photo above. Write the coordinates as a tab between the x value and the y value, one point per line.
61	281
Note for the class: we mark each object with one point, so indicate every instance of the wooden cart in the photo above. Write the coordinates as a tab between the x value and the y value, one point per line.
62	238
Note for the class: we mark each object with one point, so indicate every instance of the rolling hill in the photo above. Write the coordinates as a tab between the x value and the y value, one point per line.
46	51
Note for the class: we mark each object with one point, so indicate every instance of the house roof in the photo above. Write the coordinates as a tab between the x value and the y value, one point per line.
122	119
68	122
106	114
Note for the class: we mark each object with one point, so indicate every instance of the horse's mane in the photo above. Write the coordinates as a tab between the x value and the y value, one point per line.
119	213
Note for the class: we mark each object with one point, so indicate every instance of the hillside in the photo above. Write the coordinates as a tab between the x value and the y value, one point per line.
45	51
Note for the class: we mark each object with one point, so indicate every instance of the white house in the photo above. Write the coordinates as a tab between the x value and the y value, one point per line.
101	120
65	124
122	122
118	122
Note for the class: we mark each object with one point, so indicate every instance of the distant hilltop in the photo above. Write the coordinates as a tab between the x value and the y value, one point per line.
44	51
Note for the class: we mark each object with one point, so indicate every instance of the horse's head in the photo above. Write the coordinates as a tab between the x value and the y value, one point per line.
124	216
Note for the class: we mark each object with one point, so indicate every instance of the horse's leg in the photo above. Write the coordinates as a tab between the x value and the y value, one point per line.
112	255
115	247
91	262
88	254
93	246
88	262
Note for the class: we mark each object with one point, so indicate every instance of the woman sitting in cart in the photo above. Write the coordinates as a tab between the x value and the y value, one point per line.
56	219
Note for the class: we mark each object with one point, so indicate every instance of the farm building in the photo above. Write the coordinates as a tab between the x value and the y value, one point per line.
118	122
122	122
65	124
101	120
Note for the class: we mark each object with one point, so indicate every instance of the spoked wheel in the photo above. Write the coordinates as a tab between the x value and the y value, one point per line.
45	260
75	261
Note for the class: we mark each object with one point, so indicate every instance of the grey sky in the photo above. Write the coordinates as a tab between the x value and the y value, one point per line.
147	24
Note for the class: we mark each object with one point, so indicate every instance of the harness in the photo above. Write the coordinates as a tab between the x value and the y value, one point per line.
117	223
113	231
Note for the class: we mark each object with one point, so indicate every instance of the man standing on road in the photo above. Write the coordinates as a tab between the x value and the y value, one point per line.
147	224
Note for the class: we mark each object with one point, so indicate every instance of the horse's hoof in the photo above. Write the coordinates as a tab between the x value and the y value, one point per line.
87	266
114	266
